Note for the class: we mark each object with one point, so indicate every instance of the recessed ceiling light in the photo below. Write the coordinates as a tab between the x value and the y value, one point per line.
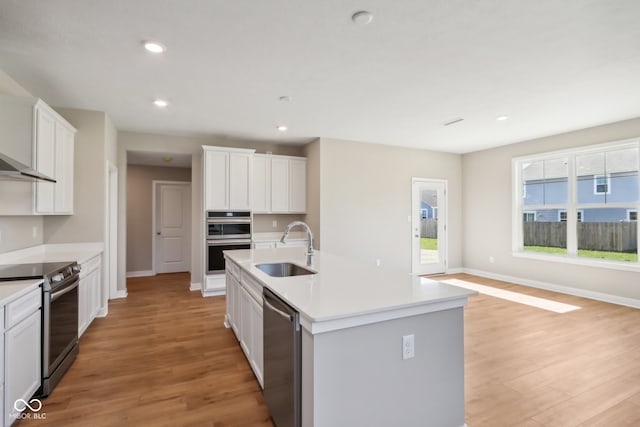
502	118
154	47
362	17
160	103
282	128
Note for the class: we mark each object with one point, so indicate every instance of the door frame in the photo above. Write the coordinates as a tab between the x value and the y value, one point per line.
110	274
415	221
154	189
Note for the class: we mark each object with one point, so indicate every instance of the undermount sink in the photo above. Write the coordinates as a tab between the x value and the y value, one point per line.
284	269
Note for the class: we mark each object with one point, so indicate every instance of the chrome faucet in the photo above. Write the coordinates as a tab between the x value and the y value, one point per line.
309	238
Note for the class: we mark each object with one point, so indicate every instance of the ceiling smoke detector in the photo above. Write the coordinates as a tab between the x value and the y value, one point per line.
362	17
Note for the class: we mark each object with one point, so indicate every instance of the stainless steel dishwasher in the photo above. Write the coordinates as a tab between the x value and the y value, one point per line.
282	361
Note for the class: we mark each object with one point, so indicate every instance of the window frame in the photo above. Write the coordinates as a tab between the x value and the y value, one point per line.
518	208
632	211
607	178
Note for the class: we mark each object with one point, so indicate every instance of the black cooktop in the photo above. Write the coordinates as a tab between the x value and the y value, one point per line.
31	271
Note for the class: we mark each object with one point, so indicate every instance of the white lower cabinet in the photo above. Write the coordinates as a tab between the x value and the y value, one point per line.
246	332
244	317
22	367
256	359
89	293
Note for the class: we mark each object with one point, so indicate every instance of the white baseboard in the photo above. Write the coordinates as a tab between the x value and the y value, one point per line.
195	286
144	273
102	312
455	270
599	296
122	293
214	293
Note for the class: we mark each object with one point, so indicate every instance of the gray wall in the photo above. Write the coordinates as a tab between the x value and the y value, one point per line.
487	222
87	224
365	199
17	231
140	210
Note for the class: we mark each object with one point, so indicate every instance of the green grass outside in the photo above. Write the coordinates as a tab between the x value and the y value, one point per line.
427	243
613	256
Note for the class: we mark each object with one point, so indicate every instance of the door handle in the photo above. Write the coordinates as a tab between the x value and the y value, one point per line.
159	234
415	235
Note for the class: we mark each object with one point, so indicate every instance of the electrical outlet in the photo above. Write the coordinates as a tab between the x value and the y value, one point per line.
377	262
274	224
408	347
34	231
492	259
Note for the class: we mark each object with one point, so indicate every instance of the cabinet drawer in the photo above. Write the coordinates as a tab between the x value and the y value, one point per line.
23	307
88	266
253	287
232	268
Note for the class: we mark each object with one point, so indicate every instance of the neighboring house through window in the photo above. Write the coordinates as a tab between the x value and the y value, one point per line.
562	215
632	215
529	216
602	184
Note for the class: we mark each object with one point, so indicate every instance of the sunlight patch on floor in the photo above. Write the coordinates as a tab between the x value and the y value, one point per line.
542	303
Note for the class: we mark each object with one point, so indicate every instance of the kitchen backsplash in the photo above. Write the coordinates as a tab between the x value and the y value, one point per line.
263	223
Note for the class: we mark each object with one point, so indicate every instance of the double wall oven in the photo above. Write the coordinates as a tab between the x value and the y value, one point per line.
226	231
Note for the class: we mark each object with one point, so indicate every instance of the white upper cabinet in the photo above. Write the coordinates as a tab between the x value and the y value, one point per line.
227	178
280	184
34	134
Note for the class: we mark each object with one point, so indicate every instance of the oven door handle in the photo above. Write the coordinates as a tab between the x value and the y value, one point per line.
223	242
56	295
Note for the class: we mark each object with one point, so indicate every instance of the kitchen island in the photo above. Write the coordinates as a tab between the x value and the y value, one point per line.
353	319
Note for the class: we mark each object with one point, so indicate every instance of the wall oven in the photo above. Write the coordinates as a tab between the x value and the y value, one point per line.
225	231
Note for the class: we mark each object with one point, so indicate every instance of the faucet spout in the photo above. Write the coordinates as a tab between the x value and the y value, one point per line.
287	230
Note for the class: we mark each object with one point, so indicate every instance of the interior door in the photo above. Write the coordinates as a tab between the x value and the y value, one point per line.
173	224
428	226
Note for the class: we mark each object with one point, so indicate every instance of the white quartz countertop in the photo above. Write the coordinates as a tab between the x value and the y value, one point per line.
345	292
80	252
9	291
276	236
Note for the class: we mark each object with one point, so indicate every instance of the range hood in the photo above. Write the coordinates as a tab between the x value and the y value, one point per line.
13	170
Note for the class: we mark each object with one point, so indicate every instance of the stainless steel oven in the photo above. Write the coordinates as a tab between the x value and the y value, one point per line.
59	315
59	326
225	231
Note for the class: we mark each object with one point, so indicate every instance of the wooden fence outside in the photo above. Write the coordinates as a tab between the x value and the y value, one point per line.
596	236
429	228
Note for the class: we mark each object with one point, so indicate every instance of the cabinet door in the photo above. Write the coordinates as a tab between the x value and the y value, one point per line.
216	174
236	320
279	185
240	166
246	332
83	303
261	202
94	298
228	296
257	358
22	363
63	193
45	159
298	186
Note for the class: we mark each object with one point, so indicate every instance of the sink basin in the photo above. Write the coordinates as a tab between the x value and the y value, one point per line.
284	269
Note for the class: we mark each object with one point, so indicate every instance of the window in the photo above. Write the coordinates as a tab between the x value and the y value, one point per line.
424	213
562	216
601	184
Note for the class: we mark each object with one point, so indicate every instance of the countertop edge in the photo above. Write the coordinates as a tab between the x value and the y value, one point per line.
19	288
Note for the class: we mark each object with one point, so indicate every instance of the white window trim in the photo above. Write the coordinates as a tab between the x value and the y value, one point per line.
579	215
535	214
608	184
572	250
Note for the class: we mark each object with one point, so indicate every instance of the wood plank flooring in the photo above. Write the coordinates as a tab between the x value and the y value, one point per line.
163	358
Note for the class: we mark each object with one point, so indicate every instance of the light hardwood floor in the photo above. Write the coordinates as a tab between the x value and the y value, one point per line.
163	358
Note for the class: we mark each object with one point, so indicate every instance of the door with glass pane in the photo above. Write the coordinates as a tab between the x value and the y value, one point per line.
428	226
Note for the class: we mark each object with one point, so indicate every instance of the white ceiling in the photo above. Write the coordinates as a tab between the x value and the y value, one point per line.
551	66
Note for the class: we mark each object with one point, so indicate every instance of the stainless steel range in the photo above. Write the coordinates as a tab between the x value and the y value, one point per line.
59	315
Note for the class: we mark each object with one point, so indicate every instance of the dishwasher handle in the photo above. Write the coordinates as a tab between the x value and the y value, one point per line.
278	311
